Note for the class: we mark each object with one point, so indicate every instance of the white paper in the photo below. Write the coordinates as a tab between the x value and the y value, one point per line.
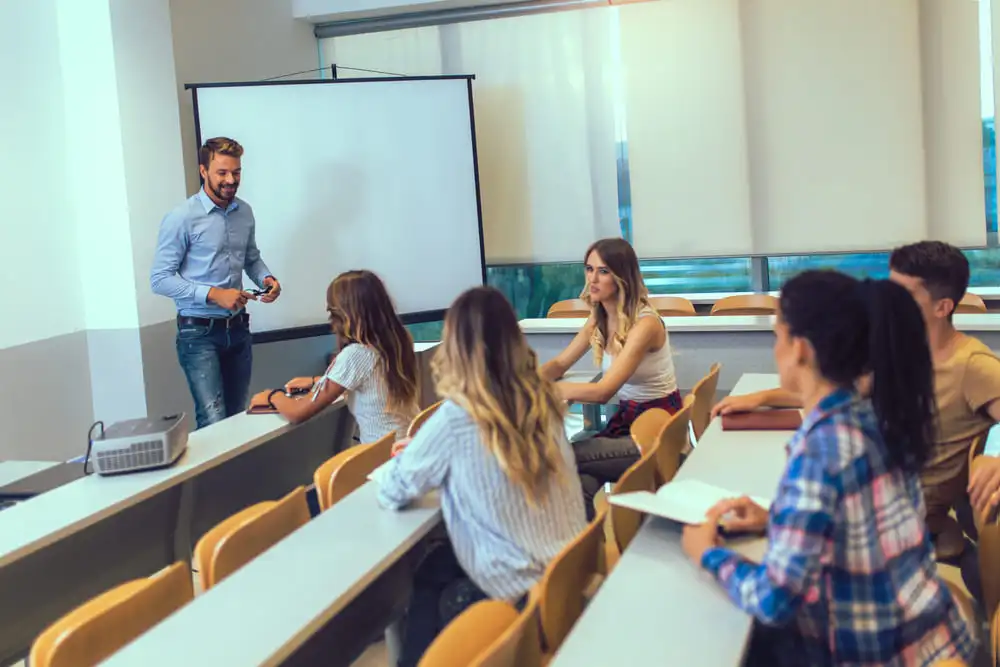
685	501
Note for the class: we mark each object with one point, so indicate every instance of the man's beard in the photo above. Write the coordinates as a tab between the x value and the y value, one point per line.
224	195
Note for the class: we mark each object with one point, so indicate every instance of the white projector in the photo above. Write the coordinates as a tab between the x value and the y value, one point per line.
139	444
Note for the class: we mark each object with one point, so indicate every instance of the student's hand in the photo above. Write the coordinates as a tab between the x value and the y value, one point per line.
698	539
275	292
744	515
746	403
230	299
399	446
984	485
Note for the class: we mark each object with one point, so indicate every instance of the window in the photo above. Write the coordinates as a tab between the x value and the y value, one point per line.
860	265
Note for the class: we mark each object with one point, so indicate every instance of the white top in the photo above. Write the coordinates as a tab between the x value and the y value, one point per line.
502	542
358	369
654	377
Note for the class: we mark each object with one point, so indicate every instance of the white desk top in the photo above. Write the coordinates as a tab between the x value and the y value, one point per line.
31	525
11	471
271	606
728	323
709	298
657	607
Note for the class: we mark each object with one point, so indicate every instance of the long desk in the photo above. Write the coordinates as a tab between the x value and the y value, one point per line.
657	607
742	343
709	298
273	609
63	547
11	471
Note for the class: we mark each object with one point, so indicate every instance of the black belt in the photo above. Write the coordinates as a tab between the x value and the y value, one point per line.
225	322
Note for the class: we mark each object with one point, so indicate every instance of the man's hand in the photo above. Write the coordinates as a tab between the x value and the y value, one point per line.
275	286
984	485
697	539
230	299
741	515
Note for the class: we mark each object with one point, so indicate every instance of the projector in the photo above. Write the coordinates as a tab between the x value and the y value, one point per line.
139	444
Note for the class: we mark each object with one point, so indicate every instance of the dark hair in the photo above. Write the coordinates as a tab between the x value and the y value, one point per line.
619	256
361	311
943	268
220	146
872	326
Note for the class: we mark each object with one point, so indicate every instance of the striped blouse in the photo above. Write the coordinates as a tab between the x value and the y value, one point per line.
357	369
502	542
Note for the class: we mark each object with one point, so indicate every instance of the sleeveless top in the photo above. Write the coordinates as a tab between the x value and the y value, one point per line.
654	376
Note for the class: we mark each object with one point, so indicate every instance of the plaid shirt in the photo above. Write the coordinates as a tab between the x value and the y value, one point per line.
849	566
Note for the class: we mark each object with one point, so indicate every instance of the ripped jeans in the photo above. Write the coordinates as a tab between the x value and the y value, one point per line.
216	359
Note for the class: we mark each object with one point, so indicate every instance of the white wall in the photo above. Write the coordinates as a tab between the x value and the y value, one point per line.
234	40
37	240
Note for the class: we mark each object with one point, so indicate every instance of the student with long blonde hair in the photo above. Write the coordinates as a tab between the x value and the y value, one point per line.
630	342
376	365
498	451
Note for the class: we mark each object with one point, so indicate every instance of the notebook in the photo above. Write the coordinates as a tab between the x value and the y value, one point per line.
685	501
763	420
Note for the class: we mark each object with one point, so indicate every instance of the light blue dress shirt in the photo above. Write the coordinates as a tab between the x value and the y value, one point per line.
203	246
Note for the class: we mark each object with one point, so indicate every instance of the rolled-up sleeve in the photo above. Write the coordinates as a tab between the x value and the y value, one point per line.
171	248
255	267
421	467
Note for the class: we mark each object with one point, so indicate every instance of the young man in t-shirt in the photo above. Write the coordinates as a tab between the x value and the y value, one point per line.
966	385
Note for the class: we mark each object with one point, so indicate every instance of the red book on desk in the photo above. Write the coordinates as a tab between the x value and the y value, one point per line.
763	420
259	405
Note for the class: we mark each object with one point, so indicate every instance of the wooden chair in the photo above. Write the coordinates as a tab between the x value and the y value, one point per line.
570	308
419	420
995	638
989	566
349	470
971	304
672	306
566	582
470	634
97	628
746	304
647	429
625	522
489	634
674	441
242	537
704	399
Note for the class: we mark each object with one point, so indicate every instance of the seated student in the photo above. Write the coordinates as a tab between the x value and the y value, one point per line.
966	385
498	451
849	575
376	365
630	343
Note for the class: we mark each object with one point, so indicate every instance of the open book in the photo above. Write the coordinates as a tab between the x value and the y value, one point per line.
685	501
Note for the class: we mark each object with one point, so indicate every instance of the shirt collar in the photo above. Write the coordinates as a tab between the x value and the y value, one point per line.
210	205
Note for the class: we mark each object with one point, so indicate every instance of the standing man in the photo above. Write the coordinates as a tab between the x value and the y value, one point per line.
205	244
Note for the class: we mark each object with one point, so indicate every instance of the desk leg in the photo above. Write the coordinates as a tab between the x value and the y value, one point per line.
394	642
183	549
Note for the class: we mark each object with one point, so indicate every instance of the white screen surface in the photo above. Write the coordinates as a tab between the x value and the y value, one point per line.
355	175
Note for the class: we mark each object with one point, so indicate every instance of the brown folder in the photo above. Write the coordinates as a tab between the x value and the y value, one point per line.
259	404
763	420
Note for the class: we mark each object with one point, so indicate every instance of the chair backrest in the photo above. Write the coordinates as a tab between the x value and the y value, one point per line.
470	634
323	476
704	399
989	565
641	476
419	420
242	537
970	304
566	579
647	429
570	308
99	627
521	644
995	638
674	441
672	306
746	304
350	472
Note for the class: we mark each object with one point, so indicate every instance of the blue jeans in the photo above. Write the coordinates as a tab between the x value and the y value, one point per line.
217	360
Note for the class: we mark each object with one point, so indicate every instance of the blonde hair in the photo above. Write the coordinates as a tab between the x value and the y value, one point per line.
361	312
633	297
485	366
